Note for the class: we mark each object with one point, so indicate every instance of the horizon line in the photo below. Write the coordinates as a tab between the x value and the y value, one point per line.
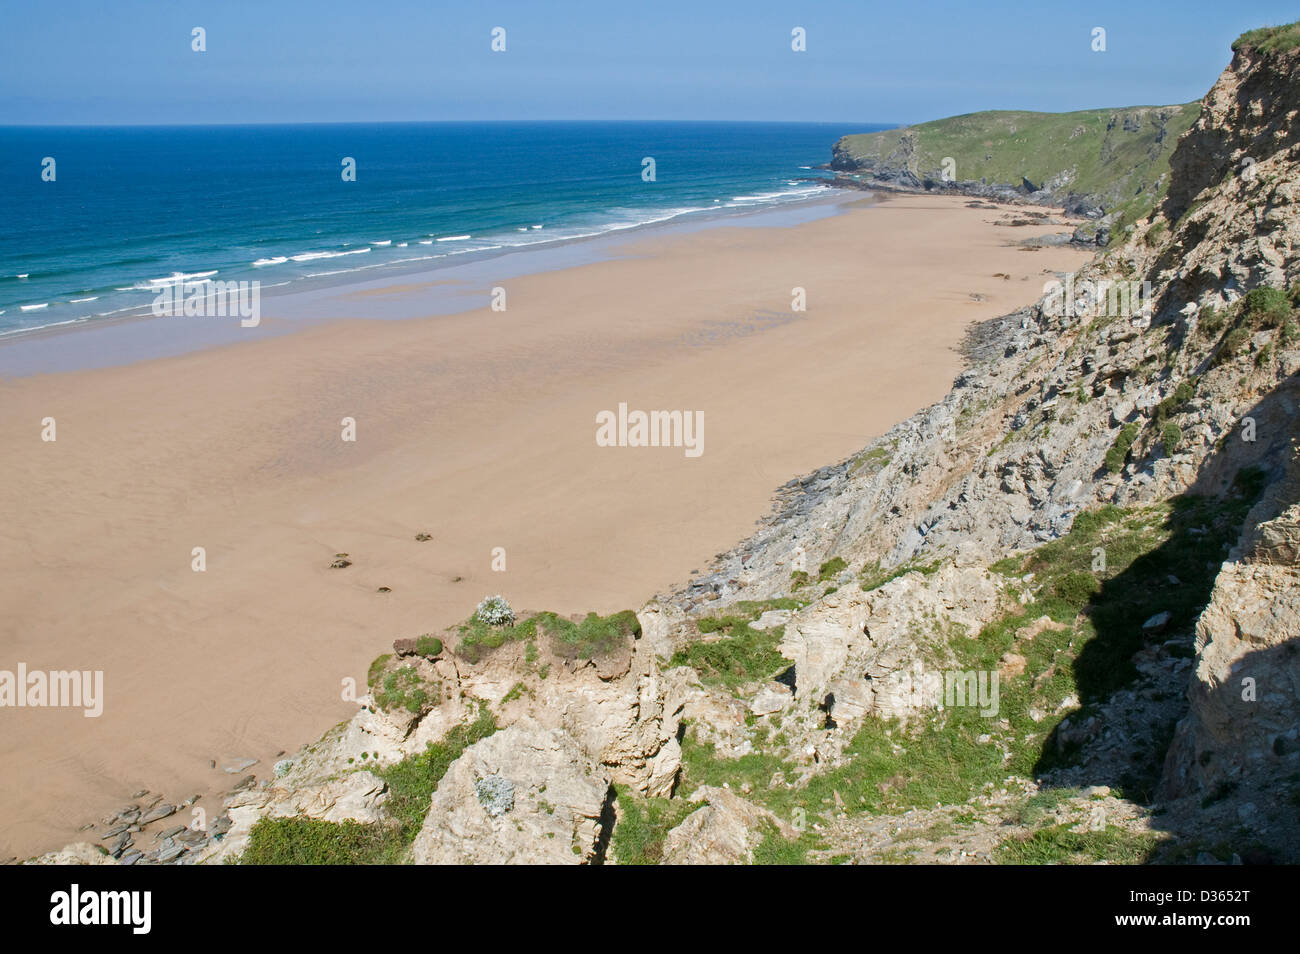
887	124
413	122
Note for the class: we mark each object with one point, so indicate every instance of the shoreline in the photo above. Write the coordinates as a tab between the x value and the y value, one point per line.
128	338
522	259
474	427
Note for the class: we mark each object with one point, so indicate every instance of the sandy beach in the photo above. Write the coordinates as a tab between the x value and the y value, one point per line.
476	428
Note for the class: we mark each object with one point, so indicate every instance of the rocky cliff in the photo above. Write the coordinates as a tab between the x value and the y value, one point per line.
1051	618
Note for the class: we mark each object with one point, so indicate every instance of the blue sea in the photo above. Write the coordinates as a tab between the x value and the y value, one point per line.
134	208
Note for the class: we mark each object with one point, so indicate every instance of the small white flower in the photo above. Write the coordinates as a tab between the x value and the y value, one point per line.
495	611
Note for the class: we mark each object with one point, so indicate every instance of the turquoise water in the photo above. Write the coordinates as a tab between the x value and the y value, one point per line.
131	209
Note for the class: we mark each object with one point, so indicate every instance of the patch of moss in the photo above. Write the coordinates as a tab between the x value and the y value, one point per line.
875	459
1171	435
404	688
1183	394
1231	345
756	608
376	668
1210	322
428	645
1269	307
830	569
1117	456
875	576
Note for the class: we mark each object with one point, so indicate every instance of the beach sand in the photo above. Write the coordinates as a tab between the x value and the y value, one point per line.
478	429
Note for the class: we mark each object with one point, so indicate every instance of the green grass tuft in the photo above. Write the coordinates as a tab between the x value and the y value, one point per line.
299	840
1271	39
643	824
744	655
404	689
1269	307
1117	456
412	781
1171	435
1057	845
830	569
595	635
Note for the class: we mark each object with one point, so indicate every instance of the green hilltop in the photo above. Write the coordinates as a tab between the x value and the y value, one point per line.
1273	39
1112	162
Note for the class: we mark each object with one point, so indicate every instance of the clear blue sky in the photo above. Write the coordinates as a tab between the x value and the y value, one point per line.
128	61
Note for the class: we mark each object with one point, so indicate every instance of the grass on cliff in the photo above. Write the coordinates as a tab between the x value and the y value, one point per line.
1117	456
1096	585
643	824
742	654
298	840
1167	433
594	635
1263	309
308	841
1059	844
404	688
873	576
1272	39
1115	569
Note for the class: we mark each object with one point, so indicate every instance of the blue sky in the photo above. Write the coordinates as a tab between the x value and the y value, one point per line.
127	61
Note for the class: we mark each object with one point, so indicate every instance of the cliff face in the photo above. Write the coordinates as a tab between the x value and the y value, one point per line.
1237	184
1231	207
1061	417
1241	735
1249	116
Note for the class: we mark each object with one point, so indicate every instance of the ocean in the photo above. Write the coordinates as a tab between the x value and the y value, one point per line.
131	209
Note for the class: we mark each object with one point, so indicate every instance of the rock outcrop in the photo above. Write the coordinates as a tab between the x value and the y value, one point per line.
725	831
527	795
582	720
867	653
